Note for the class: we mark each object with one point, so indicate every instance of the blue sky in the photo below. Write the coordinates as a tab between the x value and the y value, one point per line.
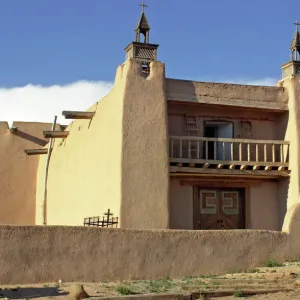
63	41
63	54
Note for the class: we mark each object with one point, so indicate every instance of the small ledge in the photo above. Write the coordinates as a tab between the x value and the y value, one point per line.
36	151
78	114
56	134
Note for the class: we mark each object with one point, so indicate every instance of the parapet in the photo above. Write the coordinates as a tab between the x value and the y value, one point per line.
264	97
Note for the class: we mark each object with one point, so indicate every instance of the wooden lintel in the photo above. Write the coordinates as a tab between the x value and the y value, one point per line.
202	172
205	166
243	167
56	134
256	168
78	114
220	166
36	151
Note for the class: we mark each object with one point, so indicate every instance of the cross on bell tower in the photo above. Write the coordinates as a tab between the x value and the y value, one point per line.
295	46
292	68
142	51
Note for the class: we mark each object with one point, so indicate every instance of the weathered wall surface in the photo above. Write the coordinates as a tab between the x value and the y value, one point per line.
145	161
262	205
292	134
91	254
264	208
227	94
18	171
117	160
84	176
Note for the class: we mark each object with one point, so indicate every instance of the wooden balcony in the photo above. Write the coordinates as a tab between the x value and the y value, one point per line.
230	154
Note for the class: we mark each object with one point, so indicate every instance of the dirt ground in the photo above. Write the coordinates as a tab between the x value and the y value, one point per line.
272	277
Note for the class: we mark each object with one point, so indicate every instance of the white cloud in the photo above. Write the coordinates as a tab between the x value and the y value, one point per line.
268	81
38	103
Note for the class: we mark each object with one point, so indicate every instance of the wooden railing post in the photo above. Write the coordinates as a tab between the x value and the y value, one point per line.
194	145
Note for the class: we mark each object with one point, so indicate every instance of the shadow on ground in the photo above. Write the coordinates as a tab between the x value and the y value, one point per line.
31	292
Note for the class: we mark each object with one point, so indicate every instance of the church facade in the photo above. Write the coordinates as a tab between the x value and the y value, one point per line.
162	153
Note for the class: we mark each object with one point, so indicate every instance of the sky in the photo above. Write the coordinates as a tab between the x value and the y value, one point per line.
62	55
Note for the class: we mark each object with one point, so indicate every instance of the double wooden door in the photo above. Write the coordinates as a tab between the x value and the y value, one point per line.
219	209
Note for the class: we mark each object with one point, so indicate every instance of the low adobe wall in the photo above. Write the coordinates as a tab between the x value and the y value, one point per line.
32	254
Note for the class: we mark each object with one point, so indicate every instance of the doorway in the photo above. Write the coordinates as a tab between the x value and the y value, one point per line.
217	129
219	208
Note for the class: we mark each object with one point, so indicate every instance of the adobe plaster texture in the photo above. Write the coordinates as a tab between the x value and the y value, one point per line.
31	254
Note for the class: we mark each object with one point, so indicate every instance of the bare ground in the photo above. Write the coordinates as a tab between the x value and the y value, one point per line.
283	277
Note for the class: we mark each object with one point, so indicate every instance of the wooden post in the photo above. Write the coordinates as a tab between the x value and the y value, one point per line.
46	174
231	150
273	152
180	148
206	150
248	150
215	150
256	150
265	153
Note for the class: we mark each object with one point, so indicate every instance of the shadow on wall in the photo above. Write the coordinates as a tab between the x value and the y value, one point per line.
30	137
31	292
93	254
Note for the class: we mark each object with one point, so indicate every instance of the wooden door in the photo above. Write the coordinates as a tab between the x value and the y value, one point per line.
220	209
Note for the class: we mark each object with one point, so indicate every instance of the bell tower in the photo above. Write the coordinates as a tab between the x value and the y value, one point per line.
292	68
142	51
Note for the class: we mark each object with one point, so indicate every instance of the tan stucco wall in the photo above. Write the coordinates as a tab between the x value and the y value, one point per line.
181	205
118	160
264	209
292	134
18	171
92	254
84	176
227	94
145	161
262	206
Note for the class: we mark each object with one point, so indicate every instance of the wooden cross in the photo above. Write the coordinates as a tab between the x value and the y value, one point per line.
143	5
297	24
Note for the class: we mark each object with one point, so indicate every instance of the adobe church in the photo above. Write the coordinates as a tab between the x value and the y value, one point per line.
160	153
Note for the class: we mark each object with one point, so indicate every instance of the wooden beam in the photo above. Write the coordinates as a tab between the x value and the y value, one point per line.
56	134
78	114
268	168
220	166
256	168
282	168
36	151
227	162
185	171
205	166
243	167
192	165
232	167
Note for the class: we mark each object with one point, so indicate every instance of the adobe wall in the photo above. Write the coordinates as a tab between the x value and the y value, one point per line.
84	177
262	205
266	97
292	134
18	171
92	254
99	165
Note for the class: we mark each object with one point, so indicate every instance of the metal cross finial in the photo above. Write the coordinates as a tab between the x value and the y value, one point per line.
143	5
297	24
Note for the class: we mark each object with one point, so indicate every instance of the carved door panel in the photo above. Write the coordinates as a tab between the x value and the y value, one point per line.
220	209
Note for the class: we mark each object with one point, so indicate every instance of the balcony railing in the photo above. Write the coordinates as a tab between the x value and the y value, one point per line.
229	152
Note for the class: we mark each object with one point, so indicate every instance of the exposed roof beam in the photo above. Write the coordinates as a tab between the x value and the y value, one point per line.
36	151
78	114
55	134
